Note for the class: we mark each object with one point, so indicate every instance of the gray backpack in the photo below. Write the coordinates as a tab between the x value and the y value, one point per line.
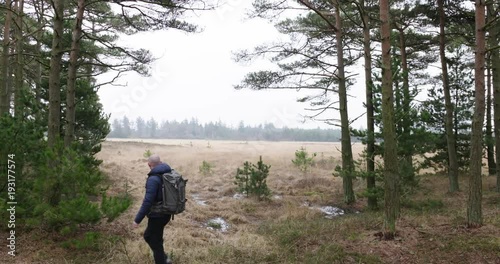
173	193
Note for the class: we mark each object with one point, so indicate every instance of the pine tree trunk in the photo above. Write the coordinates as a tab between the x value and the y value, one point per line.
19	80
72	69
11	72
490	151
391	177
38	66
474	209
397	95
450	135
54	75
494	33
370	123
4	67
406	102
347	160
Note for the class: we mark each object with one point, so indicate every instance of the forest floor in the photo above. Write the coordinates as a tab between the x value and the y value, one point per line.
220	226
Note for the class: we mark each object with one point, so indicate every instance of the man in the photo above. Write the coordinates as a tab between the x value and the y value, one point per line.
156	222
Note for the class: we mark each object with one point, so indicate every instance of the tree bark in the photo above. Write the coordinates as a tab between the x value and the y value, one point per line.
11	72
54	75
4	70
19	80
370	120
490	151
38	66
391	177
494	33
450	135
347	159
474	208
72	70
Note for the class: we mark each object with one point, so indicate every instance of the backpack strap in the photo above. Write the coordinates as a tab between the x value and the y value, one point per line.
160	187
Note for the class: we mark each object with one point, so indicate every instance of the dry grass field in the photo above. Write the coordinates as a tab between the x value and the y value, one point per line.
212	195
288	228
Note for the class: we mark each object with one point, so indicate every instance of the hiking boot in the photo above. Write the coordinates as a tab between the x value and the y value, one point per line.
167	259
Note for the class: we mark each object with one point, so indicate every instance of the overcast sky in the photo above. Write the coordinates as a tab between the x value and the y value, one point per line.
195	74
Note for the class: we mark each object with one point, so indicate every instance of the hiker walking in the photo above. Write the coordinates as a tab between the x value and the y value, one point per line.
153	235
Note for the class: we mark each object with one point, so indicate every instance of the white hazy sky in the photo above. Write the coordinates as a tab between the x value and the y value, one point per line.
195	74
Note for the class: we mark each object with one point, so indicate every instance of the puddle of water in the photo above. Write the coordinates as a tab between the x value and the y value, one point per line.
239	196
217	224
198	200
331	211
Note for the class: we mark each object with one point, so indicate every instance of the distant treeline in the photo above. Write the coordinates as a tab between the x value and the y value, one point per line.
192	129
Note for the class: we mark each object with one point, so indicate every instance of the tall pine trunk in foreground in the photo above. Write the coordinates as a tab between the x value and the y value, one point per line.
391	177
370	120
72	70
347	160
54	122
450	135
38	51
4	64
19	79
494	34
490	150
474	208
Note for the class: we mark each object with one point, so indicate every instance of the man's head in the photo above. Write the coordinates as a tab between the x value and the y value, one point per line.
153	161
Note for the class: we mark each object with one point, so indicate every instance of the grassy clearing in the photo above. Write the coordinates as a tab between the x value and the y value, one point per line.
281	230
318	240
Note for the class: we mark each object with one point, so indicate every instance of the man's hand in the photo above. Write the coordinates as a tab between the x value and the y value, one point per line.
135	225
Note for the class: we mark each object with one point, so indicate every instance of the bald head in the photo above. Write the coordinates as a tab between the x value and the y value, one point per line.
153	160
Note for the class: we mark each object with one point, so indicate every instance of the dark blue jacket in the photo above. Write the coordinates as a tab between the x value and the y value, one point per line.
153	193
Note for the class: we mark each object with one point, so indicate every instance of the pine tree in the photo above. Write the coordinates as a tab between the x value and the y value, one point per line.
474	208
391	180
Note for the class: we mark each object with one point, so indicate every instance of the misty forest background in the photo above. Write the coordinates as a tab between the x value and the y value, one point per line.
52	123
192	129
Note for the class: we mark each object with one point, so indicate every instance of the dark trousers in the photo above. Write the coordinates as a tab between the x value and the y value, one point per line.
154	237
